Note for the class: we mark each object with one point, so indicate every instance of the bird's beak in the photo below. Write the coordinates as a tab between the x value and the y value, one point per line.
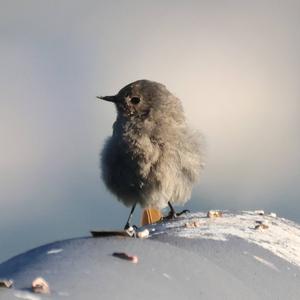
109	98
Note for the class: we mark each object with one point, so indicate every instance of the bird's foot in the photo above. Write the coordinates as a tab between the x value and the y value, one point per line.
131	230
185	211
173	215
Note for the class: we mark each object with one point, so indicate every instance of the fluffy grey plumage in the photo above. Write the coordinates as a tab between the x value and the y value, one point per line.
152	156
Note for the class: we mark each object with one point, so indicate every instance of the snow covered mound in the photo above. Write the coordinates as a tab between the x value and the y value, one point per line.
249	255
278	235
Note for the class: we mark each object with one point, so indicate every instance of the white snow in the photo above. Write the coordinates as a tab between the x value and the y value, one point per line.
178	268
26	295
167	276
281	237
54	251
64	294
265	262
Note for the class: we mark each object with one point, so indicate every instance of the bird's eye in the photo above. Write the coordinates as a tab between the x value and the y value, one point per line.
135	100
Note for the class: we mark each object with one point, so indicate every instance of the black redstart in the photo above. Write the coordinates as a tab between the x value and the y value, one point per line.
152	158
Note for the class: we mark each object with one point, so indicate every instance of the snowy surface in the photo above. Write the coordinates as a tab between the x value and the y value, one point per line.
282	237
218	258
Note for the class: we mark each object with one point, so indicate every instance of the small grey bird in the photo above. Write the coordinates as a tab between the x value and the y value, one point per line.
152	158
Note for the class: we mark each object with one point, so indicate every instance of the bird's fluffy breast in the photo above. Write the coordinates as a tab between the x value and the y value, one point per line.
139	167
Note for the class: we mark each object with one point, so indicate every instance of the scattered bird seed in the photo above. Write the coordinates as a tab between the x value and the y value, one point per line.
214	214
6	283
143	234
193	224
132	258
40	286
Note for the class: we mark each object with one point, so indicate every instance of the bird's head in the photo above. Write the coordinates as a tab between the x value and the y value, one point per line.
145	98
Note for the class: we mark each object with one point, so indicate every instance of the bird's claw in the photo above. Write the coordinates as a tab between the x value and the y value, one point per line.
185	211
131	230
173	215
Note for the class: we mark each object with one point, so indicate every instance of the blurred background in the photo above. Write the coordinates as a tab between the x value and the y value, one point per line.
234	64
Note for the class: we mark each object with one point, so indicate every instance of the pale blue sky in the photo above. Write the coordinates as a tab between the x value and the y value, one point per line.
234	64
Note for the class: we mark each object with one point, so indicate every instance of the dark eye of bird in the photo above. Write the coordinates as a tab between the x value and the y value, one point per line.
135	100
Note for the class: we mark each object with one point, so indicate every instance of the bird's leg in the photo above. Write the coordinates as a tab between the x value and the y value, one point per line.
130	217
173	214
